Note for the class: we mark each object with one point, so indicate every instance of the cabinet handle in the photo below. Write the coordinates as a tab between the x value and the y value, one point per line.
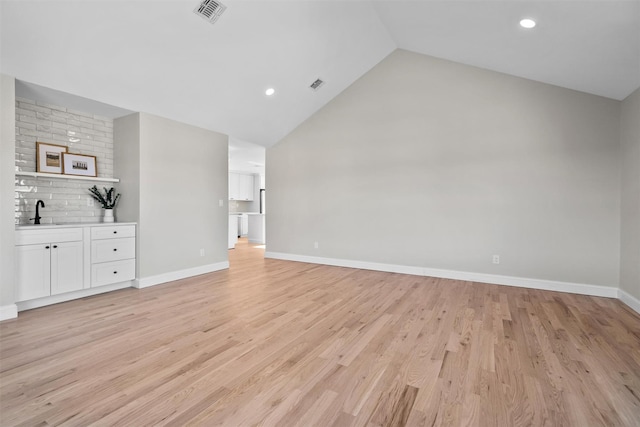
115	232
114	249
115	272
55	246
46	247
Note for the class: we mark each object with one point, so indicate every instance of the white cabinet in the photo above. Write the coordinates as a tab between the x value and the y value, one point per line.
66	267
233	231
244	225
241	186
48	262
33	271
61	260
107	273
113	254
113	232
234	186
246	187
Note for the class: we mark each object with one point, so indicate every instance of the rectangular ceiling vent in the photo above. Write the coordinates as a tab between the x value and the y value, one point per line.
316	85
210	10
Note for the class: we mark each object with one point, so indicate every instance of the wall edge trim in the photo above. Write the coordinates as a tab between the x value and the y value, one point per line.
523	282
9	311
69	296
629	300
158	279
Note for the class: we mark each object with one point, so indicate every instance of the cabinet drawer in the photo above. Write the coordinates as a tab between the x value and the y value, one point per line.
113	249
113	232
112	272
48	235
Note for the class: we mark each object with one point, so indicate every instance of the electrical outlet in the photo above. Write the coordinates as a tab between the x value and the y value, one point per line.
201	252
89	201
496	259
315	245
221	202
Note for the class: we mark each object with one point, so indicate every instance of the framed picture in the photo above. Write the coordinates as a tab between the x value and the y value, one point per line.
49	157
79	164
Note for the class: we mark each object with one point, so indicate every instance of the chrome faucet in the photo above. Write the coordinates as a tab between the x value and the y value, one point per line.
37	218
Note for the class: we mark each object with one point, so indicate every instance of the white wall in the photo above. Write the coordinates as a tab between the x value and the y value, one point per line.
630	227
7	179
172	177
126	156
424	162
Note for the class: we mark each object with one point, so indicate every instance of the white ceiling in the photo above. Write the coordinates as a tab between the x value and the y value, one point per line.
159	57
589	46
246	157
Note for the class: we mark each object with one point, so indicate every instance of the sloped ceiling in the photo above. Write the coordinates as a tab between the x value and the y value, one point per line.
159	57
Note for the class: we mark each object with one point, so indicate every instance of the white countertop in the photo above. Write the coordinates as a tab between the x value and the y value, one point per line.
71	225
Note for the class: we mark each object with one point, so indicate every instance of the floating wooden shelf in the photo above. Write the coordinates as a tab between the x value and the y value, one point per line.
62	176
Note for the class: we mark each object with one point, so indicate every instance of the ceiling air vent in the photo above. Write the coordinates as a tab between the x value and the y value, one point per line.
210	10
316	85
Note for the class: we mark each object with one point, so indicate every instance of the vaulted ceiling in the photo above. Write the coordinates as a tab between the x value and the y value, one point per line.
161	58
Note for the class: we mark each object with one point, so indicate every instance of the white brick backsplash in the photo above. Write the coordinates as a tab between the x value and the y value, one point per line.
45	128
28	119
108	122
89	120
44	116
106	140
36	108
60	114
65	200
64	125
80	113
27	139
26	125
50	106
28	101
104	129
24	112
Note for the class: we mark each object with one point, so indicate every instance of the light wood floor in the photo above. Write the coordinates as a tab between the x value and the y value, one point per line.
279	343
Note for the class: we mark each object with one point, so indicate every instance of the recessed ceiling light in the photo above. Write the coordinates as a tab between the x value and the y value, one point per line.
74	139
527	23
270	91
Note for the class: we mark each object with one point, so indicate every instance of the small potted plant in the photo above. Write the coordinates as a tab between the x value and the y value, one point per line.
107	200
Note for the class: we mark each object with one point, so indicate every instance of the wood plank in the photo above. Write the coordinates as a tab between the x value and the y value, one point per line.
272	342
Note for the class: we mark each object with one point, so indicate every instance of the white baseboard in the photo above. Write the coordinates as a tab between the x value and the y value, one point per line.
55	299
525	282
145	282
629	300
549	285
8	312
364	265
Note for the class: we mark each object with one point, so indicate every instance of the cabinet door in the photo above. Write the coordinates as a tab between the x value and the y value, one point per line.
234	186
245	224
246	187
233	231
33	265
66	267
